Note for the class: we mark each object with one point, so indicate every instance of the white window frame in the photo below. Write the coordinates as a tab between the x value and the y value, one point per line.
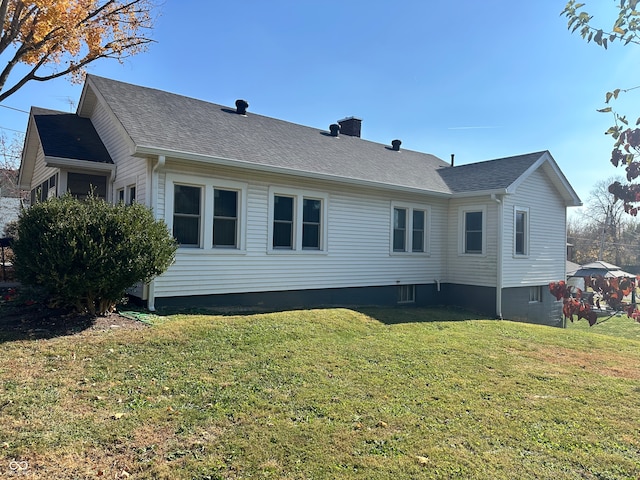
462	238
200	215
406	294
408	237
527	235
298	195
125	185
131	189
535	294
208	184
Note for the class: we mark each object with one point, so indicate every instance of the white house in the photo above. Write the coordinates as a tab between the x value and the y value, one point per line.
274	214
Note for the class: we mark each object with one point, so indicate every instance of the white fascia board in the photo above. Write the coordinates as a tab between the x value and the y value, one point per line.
114	118
29	154
142	151
569	193
88	165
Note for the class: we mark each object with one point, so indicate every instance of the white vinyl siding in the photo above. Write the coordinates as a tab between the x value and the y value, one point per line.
356	232
40	171
546	249
132	173
472	269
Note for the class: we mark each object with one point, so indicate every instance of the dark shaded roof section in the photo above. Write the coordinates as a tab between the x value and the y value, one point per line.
66	135
489	175
173	123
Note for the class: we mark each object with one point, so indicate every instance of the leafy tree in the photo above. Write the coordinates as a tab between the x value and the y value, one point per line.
603	231
85	254
626	30
54	38
626	148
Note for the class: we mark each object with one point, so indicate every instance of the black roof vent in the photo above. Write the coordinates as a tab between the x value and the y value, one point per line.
334	128
395	144
350	126
241	107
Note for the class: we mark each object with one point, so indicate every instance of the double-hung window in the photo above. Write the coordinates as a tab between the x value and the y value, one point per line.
298	220
311	223
283	214
206	213
521	231
399	229
473	230
409	229
186	215
225	218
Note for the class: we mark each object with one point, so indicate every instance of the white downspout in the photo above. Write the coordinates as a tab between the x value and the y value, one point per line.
151	301
498	200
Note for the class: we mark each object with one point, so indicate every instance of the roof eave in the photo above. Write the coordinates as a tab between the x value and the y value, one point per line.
28	156
145	151
59	162
570	196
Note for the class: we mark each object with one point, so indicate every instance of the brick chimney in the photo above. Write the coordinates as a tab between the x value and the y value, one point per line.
350	126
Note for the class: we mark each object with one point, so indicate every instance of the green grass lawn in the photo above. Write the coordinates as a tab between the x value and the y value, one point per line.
324	394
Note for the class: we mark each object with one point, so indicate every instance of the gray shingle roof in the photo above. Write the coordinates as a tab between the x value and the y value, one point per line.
66	135
164	121
488	175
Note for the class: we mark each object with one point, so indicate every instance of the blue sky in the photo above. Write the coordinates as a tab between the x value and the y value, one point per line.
481	80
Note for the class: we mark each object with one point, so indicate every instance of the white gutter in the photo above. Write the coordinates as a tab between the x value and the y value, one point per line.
498	199
151	301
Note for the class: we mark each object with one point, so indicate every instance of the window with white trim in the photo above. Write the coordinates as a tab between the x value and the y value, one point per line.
187	218
131	194
399	229
311	224
120	195
206	213
298	220
406	293
521	231
473	229
409	228
535	294
283	213
225	218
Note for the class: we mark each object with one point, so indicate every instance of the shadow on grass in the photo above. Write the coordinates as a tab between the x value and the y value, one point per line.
25	315
399	315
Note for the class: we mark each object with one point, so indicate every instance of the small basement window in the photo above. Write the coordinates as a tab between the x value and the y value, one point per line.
406	293
535	294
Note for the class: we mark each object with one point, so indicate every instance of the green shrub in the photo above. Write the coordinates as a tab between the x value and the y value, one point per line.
10	229
85	254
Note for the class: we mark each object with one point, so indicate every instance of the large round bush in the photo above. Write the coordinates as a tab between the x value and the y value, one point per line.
86	253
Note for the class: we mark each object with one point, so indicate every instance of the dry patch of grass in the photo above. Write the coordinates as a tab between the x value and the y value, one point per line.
604	363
